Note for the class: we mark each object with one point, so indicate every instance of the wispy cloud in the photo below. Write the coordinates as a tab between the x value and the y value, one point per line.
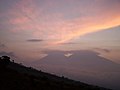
102	50
68	43
35	40
2	45
11	54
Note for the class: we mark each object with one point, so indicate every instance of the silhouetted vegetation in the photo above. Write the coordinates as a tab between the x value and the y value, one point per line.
14	76
4	61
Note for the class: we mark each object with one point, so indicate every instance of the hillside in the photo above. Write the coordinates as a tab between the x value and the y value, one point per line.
15	76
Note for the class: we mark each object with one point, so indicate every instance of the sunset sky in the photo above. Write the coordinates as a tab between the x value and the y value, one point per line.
69	37
29	27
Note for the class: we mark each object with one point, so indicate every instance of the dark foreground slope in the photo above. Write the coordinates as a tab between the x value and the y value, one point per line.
14	76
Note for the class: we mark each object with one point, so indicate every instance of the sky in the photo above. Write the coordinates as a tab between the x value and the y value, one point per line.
36	25
30	30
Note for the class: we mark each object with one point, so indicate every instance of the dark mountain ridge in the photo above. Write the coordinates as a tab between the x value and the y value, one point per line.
15	76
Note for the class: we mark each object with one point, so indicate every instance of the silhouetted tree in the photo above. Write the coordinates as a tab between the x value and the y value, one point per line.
63	77
4	61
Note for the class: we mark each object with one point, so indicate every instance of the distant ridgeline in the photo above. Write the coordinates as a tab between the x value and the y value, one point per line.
14	76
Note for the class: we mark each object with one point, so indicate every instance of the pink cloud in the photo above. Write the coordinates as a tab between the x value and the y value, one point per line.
53	26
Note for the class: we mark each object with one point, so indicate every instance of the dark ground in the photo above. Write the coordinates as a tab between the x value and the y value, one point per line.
14	76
